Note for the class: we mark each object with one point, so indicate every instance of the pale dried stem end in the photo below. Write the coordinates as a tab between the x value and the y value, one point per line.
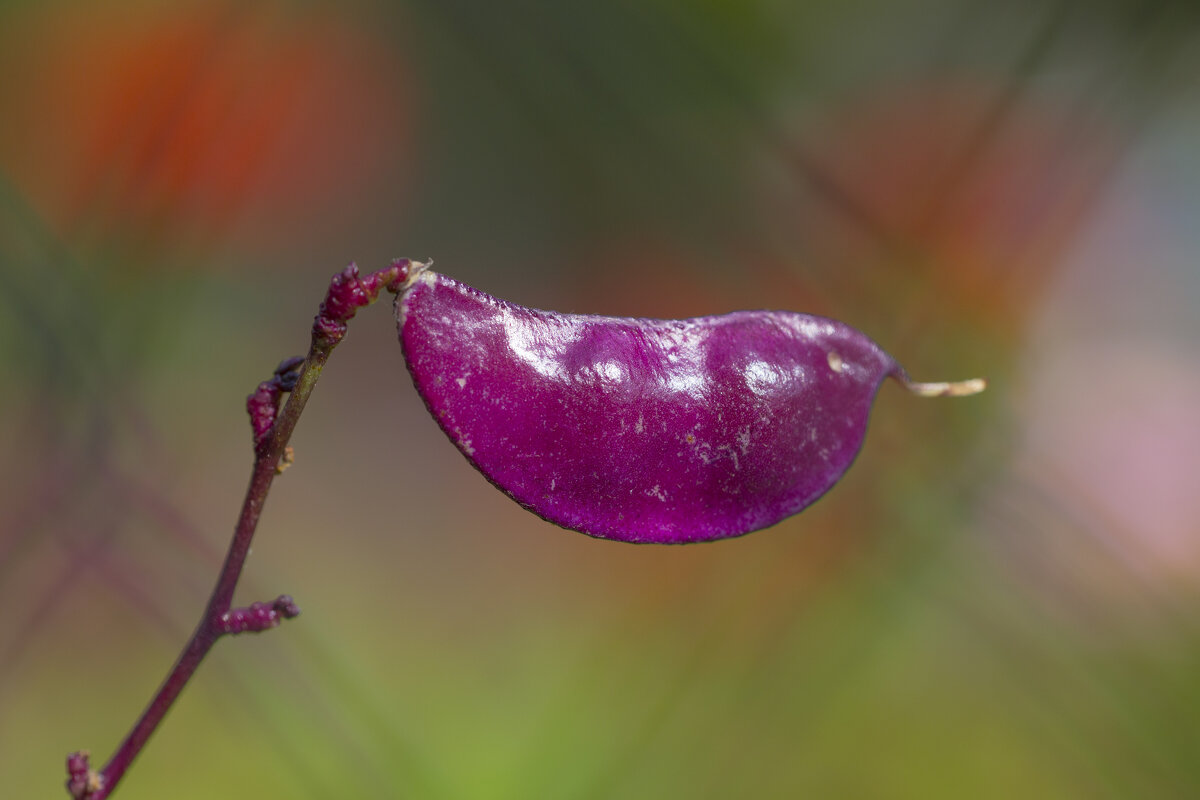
943	389
415	268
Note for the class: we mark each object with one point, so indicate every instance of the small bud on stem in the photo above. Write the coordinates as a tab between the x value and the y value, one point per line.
259	616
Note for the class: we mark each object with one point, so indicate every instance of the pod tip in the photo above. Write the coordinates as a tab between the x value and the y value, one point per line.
944	389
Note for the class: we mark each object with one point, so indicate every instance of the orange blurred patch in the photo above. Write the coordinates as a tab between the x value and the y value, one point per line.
645	277
656	276
977	191
254	122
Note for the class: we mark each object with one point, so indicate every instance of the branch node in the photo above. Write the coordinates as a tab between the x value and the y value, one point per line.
328	332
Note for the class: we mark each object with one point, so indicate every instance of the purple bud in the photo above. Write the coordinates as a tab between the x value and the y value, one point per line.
258	617
82	781
345	296
262	406
286	607
642	430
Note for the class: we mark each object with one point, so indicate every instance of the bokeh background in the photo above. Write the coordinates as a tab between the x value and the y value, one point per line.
1001	599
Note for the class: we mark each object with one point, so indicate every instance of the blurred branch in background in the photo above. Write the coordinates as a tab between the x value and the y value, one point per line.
999	601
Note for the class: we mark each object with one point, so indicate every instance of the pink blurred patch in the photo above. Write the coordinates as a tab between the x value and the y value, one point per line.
1113	431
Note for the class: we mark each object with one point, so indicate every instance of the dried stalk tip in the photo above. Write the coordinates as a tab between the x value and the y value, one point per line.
286	460
954	389
411	271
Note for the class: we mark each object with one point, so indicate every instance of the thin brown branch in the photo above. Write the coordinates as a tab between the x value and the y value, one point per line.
272	430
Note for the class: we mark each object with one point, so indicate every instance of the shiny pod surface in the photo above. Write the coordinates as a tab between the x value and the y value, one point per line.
642	430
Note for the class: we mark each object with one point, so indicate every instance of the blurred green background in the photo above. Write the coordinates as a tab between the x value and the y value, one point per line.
1001	599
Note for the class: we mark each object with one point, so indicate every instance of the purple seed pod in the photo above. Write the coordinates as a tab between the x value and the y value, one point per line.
644	430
